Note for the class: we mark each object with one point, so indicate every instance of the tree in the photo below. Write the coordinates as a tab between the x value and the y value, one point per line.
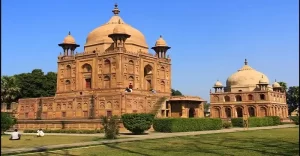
293	98
283	85
9	90
111	127
6	121
206	106
176	92
37	84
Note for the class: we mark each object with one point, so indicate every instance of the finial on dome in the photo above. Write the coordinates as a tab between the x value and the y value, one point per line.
160	36
246	62
275	80
69	33
116	10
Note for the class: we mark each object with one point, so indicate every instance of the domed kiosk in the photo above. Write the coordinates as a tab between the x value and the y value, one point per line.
248	91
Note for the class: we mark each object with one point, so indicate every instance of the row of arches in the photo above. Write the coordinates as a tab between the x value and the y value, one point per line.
238	98
252	111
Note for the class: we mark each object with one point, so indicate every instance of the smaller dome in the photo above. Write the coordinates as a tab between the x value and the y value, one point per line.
160	42
69	39
119	29
263	80
218	84
276	85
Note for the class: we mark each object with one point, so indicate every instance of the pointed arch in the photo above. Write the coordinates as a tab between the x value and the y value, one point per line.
227	98
162	72
107	66
148	77
130	67
68	71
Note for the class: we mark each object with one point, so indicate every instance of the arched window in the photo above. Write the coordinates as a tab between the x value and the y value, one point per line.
68	85
106	82
162	73
250	97
87	68
107	66
262	97
131	67
148	77
68	71
227	98
216	98
87	71
238	98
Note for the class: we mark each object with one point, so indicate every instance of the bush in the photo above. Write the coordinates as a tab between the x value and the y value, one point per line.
7	121
295	119
66	131
186	124
257	121
226	124
137	123
276	120
111	127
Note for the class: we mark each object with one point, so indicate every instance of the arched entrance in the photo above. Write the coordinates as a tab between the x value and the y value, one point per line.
192	112
217	113
263	111
228	112
251	111
239	112
148	77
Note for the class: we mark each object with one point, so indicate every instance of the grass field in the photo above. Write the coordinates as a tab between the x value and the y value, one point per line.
33	141
281	142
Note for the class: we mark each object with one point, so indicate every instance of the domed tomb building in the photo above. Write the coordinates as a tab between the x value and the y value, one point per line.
114	75
248	92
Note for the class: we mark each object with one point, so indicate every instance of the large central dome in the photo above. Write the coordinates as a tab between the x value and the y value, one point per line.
98	38
246	77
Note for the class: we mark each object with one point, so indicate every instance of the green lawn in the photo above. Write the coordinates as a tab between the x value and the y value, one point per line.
33	141
281	142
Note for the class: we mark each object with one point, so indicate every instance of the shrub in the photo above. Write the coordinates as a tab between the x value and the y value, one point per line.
237	122
276	120
111	127
295	119
7	121
137	123
257	121
66	131
227	124
186	124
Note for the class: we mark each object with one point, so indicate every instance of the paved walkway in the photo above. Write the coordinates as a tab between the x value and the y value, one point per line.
151	135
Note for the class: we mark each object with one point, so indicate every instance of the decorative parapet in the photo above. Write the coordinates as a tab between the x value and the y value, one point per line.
186	98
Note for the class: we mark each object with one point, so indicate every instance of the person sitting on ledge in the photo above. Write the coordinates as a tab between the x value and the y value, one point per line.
153	91
128	90
40	133
15	135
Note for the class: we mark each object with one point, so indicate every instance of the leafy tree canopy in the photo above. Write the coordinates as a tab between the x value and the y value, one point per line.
36	84
292	95
176	92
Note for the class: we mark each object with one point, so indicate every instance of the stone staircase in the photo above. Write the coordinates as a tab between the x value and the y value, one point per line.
157	105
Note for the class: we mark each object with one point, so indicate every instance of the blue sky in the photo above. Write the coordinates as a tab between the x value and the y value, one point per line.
209	38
